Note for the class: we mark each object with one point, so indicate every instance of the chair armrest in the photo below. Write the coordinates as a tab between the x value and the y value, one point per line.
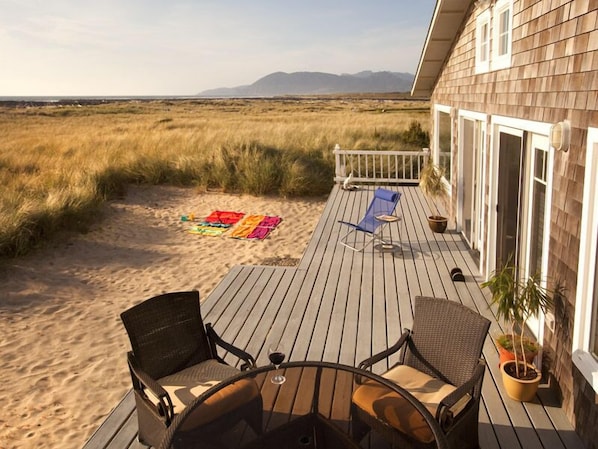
445	414
367	363
143	381
216	340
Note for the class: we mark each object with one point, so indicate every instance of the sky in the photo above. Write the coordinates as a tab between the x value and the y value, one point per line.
183	47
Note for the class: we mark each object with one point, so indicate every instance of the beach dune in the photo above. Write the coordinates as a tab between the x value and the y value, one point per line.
63	345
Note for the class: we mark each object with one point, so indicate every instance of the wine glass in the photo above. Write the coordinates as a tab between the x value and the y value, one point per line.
276	355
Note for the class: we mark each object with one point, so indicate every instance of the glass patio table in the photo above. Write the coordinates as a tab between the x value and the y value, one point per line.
311	409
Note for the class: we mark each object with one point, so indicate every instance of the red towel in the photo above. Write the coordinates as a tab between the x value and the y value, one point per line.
225	217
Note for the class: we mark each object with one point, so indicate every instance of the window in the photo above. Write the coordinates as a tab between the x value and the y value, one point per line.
585	333
443	140
502	34
482	63
493	37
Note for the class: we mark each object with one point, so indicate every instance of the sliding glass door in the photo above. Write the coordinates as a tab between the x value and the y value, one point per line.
523	205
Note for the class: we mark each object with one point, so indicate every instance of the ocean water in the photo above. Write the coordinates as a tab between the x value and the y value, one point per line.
84	98
108	98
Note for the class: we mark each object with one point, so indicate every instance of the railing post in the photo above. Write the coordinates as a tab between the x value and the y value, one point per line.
340	170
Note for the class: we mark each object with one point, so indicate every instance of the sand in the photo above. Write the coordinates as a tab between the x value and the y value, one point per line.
62	342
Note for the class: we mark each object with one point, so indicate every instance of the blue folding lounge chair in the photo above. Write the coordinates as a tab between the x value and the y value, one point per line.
384	203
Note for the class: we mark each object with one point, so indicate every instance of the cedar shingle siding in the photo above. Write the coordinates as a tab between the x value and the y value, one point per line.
553	77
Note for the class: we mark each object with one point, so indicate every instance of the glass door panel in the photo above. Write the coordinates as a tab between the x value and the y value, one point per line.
468	187
534	243
509	197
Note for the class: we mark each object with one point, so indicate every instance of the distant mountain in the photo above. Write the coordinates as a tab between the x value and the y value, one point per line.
318	83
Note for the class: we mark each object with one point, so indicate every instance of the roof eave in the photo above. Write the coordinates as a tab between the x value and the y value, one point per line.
444	27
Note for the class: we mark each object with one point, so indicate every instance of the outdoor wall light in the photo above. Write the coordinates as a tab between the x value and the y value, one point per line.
560	135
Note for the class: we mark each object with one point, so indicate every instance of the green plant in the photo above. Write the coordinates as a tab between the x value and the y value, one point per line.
415	135
517	299
432	183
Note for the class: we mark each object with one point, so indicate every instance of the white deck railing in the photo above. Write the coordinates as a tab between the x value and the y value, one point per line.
375	166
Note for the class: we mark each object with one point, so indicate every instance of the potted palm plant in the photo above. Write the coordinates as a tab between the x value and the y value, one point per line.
518	299
432	183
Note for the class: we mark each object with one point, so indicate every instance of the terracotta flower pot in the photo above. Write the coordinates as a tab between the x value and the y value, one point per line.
520	389
506	354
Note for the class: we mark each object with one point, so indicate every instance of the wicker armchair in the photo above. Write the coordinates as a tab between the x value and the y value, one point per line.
440	365
174	359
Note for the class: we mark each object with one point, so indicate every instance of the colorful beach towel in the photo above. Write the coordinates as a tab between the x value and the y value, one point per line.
264	228
246	226
256	227
224	217
206	229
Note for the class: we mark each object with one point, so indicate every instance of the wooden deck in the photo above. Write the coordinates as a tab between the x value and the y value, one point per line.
341	306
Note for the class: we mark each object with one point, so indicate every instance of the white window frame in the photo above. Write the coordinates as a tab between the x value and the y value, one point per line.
501	61
482	53
586	273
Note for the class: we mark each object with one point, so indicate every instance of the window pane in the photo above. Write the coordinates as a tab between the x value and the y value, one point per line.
503	38
540	165
538	210
484	43
537	231
504	21
444	143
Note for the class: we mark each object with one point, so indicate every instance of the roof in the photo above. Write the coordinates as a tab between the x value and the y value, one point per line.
446	22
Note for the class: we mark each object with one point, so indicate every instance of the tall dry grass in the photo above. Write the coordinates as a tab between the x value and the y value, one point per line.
59	163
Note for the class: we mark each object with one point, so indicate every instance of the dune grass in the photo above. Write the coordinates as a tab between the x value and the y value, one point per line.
58	163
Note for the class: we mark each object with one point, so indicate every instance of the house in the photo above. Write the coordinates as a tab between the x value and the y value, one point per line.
514	94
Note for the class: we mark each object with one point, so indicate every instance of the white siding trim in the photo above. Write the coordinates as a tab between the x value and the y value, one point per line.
525	125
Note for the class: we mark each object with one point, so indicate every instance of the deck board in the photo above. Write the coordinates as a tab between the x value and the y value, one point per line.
338	305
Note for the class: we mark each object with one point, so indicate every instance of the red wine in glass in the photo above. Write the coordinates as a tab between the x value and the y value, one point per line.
276	355
277	358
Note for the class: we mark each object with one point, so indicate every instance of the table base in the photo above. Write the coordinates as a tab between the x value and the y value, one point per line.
387	247
306	432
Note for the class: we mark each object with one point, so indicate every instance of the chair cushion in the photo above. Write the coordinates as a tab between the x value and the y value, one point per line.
390	407
186	385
